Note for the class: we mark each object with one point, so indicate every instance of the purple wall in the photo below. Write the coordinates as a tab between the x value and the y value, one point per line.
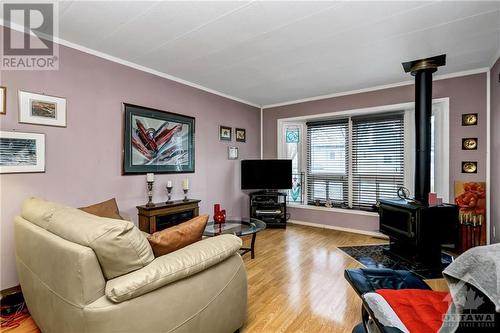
83	161
467	94
495	151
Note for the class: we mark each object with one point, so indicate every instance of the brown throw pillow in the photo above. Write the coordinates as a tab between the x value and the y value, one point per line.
107	208
174	238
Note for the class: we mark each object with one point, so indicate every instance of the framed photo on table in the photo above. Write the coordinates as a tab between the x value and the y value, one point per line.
157	141
42	109
22	152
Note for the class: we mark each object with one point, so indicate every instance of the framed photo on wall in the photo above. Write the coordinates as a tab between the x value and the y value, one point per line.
3	100
232	153
225	133
42	109
157	141
240	134
22	152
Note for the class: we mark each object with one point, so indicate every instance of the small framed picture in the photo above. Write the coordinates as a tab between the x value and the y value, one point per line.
240	134
22	152
469	119
3	100
469	167
232	153
225	133
42	109
469	144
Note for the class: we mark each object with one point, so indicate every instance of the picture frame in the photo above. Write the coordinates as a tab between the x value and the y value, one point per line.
469	167
22	152
240	134
469	119
469	143
3	100
225	133
157	141
232	153
41	109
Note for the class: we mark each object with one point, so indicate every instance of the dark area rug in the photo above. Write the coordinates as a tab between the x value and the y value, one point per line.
374	256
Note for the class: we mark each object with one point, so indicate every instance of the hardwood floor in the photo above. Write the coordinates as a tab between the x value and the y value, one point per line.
296	282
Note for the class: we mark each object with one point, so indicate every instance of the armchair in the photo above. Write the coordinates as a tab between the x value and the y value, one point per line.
71	282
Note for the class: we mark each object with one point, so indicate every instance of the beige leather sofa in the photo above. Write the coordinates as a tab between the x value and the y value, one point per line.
82	273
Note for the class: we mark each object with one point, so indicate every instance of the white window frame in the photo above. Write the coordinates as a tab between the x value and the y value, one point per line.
441	111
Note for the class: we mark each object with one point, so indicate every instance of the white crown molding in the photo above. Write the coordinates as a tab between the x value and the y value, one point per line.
381	87
130	64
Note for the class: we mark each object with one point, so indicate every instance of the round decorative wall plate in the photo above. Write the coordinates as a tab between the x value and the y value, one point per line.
469	119
469	143
469	167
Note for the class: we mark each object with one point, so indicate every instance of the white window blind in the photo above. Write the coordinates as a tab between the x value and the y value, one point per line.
327	167
377	158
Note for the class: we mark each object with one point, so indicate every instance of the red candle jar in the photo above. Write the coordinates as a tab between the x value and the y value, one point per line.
219	216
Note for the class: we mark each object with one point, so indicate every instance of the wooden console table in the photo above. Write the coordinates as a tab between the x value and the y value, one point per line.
164	215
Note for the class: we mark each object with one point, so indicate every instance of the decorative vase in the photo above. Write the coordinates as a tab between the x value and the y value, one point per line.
219	215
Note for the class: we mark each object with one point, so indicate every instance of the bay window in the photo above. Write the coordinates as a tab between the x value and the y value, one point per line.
352	159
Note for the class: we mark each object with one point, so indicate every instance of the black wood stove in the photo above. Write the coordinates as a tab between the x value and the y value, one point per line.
416	229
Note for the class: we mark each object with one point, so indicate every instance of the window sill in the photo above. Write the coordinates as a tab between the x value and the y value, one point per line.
333	210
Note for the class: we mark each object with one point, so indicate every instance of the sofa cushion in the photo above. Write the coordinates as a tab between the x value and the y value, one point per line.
175	238
173	267
107	208
119	246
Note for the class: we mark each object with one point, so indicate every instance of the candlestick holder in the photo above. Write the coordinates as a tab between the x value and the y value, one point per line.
150	194
185	194
169	194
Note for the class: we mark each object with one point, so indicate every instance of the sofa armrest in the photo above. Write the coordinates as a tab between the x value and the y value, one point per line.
171	267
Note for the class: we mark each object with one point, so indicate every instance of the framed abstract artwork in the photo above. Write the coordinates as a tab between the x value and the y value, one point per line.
225	133
157	141
22	152
3	100
42	109
240	134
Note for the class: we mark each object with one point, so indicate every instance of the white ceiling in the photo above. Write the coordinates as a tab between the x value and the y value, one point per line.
271	52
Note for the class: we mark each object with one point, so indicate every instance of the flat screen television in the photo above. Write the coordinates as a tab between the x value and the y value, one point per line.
266	174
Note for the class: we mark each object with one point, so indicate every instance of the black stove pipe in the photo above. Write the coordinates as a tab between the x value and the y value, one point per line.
423	114
422	69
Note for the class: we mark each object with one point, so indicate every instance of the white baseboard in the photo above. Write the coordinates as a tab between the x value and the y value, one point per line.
333	227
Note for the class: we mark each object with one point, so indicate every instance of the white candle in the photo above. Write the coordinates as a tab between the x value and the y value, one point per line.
169	183
150	177
185	184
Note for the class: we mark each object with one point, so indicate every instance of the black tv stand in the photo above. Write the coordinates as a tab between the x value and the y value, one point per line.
270	207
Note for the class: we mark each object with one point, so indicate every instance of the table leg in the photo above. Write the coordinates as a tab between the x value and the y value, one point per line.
252	246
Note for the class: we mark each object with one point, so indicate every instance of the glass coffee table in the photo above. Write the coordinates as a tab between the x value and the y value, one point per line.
237	227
